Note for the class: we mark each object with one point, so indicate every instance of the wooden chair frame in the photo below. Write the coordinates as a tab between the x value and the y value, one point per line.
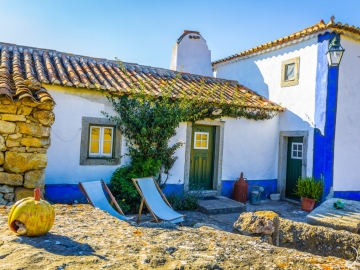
113	201
135	180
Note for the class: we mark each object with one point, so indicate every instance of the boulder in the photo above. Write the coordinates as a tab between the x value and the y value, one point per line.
34	179
22	162
261	222
6	189
13	117
46	118
7	127
35	142
11	179
33	129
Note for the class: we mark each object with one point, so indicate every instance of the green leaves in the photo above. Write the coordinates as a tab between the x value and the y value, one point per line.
308	187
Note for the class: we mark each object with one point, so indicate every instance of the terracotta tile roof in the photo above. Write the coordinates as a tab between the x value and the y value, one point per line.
18	79
314	29
26	70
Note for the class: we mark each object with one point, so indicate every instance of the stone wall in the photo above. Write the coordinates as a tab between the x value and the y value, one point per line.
24	140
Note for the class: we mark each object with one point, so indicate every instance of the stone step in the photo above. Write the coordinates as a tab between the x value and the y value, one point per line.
220	205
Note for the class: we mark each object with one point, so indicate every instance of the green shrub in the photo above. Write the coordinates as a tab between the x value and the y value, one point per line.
309	187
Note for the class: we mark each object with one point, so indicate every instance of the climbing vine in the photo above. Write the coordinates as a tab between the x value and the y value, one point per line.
148	123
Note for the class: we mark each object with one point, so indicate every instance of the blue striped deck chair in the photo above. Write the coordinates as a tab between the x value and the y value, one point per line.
155	201
96	197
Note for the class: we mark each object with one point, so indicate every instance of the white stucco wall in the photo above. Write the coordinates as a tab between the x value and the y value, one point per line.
262	73
250	147
192	56
64	157
347	133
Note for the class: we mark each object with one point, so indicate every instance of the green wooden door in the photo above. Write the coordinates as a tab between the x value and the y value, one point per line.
294	165
202	158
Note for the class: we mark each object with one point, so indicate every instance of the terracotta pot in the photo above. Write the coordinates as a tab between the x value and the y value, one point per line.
307	204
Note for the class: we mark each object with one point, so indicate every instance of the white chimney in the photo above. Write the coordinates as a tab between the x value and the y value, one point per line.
191	54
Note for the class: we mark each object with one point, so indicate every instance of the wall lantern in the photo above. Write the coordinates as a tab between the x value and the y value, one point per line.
335	52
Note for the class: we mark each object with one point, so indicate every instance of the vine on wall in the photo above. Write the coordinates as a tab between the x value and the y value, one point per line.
148	122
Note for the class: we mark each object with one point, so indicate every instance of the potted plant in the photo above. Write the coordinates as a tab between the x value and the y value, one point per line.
310	191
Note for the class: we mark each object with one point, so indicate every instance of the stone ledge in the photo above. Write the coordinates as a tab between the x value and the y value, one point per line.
221	205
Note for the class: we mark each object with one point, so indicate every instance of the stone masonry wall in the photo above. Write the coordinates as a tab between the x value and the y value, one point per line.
24	140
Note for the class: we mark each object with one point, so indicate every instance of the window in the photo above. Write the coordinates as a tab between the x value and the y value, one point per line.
100	142
297	150
290	72
201	140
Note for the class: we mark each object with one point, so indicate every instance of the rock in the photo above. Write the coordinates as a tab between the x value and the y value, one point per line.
28	102
11	179
10	108
15	136
13	117
34	179
1	169
1	195
345	219
7	127
17	149
2	159
21	162
12	143
10	204
21	193
37	150
9	196
49	106
2	143
33	129
24	110
250	223
35	142
6	189
46	118
3	202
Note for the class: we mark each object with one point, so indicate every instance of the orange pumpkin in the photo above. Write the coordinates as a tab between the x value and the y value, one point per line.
31	216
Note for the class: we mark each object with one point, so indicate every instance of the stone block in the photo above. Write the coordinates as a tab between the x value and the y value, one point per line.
8	108
15	136
12	143
49	106
46	118
29	102
9	196
3	201
35	142
24	110
22	162
33	129
21	193
1	195
37	150
6	189
220	205
7	127
34	179
11	179
13	117
2	143
17	149
2	159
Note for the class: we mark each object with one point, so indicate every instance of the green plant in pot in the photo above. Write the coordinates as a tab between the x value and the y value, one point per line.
310	190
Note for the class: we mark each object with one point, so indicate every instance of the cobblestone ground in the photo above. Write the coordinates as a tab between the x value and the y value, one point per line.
88	238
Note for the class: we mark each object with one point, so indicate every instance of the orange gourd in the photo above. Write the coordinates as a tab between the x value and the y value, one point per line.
31	216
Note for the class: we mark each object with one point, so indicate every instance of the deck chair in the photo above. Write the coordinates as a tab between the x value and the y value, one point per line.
96	197
155	201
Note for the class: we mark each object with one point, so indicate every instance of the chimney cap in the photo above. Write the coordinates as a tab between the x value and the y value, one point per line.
186	32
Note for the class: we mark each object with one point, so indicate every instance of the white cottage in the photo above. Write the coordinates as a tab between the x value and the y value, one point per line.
318	134
74	81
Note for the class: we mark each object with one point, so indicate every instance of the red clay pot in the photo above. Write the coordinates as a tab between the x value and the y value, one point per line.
307	204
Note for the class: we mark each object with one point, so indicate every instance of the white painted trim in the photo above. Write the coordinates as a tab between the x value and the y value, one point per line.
297	150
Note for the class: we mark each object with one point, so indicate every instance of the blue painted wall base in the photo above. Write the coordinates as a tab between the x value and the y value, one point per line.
64	194
270	186
347	195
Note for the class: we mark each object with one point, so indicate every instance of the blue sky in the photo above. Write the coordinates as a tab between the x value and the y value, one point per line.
144	32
